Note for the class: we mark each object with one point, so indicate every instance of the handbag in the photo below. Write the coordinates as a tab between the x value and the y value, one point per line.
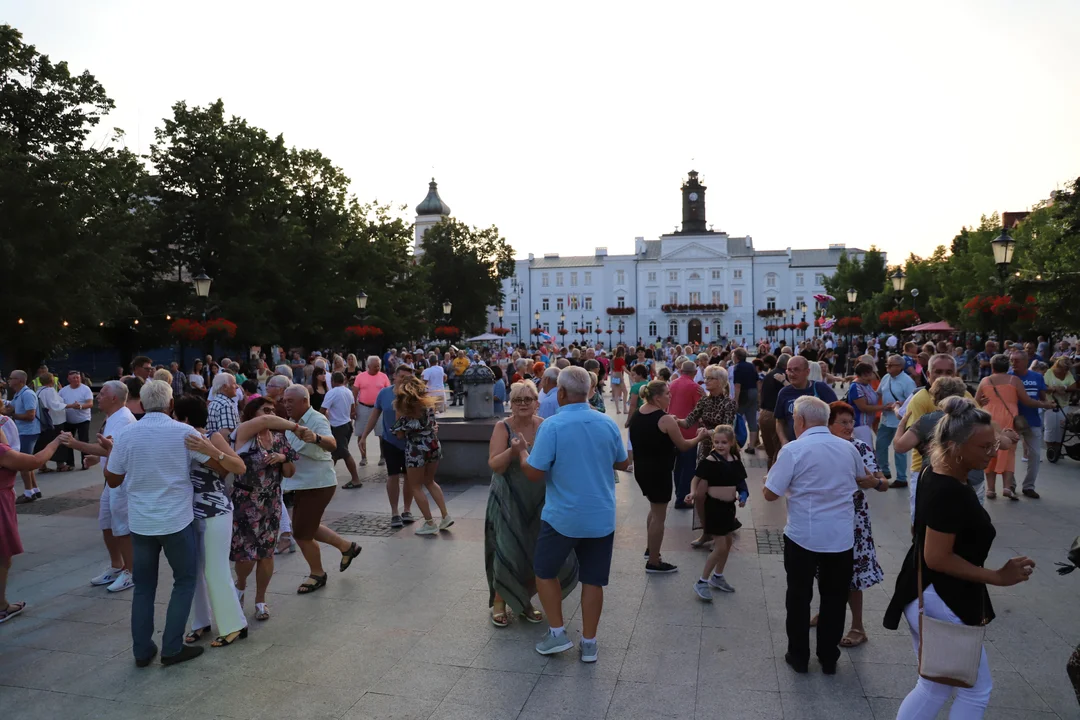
741	433
949	653
1020	423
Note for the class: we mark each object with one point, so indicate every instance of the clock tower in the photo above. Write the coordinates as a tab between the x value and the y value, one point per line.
693	207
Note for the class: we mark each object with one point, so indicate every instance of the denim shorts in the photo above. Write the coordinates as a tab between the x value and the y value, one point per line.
593	554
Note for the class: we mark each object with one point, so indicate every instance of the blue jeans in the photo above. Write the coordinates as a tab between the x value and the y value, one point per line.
685	464
179	550
885	437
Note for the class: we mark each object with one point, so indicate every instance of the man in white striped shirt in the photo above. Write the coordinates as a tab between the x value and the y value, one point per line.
151	458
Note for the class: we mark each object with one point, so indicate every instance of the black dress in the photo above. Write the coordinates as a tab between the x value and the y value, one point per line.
718	472
654	456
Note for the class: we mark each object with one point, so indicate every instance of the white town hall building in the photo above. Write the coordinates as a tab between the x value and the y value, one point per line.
694	284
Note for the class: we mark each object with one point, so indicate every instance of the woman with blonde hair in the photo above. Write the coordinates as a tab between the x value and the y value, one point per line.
416	425
512	521
716	408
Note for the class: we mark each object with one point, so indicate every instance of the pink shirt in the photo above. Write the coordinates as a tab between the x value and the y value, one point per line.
685	394
369	386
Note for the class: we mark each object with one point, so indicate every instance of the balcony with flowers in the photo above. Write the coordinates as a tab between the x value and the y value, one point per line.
693	308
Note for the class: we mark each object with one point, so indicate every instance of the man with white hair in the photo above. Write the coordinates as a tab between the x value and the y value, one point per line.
113	508
151	458
312	486
549	400
222	413
366	389
818	472
575	452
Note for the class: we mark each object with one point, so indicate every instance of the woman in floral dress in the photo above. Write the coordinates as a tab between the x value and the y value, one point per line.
867	573
716	408
256	495
417	427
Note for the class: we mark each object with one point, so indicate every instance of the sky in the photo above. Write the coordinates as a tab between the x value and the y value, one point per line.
571	125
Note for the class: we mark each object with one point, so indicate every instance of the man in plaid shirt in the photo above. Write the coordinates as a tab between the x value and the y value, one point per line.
222	412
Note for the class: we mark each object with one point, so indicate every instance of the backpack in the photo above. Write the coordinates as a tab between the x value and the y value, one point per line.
43	415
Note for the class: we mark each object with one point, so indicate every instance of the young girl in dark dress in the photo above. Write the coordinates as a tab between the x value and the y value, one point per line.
719	477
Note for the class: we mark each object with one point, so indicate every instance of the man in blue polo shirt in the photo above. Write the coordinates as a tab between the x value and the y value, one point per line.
1032	435
575	450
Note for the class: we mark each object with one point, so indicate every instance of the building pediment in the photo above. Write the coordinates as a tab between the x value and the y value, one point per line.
690	251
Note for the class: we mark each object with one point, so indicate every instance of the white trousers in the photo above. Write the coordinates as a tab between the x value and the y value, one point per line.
286	521
215	592
928	697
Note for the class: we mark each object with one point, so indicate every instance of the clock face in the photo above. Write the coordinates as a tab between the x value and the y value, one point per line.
693	196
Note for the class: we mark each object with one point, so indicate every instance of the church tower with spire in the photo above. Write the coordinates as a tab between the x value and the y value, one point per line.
429	212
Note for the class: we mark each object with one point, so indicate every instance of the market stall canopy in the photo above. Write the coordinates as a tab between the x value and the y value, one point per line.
486	337
941	326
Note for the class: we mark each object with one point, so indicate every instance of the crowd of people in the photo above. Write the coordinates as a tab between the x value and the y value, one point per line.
235	463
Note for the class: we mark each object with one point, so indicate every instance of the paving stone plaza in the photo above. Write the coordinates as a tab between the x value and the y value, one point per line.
405	633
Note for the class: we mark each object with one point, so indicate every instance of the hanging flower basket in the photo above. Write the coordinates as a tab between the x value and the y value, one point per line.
536	331
848	324
771	328
899	319
1002	306
610	331
220	327
364	331
563	331
803	325
501	331
447	331
191	331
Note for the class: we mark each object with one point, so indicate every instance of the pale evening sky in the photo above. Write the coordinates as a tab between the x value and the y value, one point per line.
571	124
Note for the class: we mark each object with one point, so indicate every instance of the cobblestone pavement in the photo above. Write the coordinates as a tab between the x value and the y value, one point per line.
405	633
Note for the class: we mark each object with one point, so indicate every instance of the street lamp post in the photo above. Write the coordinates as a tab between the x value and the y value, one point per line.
804	309
1003	246
852	296
621	326
899	279
499	313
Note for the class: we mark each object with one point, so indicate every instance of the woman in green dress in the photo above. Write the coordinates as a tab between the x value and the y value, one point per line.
513	516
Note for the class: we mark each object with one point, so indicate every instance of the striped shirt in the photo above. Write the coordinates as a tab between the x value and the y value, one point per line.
156	466
222	414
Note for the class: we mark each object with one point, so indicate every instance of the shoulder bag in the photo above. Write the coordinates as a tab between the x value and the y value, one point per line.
949	653
1020	423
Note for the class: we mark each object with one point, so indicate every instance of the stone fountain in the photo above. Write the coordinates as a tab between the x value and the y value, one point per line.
465	440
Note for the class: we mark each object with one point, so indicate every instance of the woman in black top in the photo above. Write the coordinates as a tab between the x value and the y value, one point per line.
318	388
655	435
953	535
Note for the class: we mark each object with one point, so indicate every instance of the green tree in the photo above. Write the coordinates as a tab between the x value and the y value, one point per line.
72	216
466	266
1048	250
867	277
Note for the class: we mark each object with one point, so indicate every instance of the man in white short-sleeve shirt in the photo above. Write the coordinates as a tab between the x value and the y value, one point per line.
818	472
340	410
435	378
79	400
152	460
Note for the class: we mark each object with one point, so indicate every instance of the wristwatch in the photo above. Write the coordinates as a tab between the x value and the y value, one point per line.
317	439
221	456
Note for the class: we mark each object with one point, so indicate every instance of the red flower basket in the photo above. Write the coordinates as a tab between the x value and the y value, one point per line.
536	331
191	331
620	311
563	331
1003	306
803	325
770	313
610	331
501	331
848	324
771	328
364	331
221	328
447	331
899	319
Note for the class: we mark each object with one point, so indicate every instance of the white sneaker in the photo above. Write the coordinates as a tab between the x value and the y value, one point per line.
363	462
107	577
428	528
123	581
446	522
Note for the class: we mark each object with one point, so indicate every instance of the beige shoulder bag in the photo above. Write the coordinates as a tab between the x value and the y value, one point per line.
949	653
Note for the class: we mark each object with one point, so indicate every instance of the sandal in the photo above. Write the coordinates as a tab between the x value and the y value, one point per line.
262	611
854	638
195	635
700	543
532	615
991	495
224	641
307	588
7	613
64	468
352	485
348	556
500	619
288	546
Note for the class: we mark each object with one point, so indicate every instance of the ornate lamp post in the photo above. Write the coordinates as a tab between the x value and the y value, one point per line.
899	279
621	327
499	313
804	308
852	296
1003	246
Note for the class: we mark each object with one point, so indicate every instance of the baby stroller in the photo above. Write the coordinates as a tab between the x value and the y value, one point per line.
1070	433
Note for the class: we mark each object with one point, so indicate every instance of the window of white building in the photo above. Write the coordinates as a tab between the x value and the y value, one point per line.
716	274
695	298
513	304
770	303
673	328
559	303
513	329
819	279
738	328
694	276
770	280
558	279
736	274
588	278
799	303
588	302
545	304
652	329
574	303
547	328
652	276
673	297
673	275
544	280
798	279
652	299
737	298
620	277
573	279
716	295
620	301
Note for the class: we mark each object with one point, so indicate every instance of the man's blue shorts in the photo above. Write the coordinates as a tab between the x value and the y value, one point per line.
593	554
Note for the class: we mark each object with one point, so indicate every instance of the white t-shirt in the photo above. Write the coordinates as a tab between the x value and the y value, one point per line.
338	404
117	422
197	380
80	394
50	398
435	377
